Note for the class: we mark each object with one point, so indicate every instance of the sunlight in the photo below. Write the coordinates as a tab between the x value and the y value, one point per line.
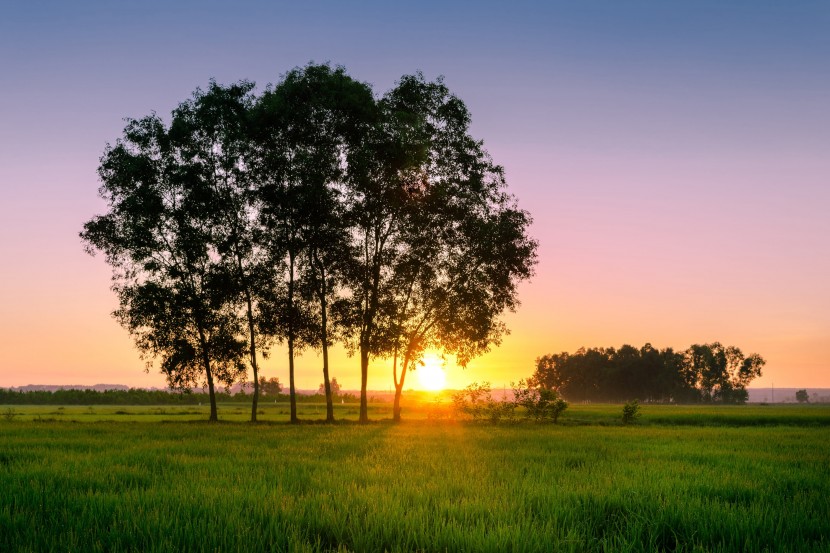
430	371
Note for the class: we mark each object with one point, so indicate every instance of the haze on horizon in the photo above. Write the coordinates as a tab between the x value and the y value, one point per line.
674	158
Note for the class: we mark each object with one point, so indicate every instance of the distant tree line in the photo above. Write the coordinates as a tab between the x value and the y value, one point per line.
311	214
133	396
703	373
139	396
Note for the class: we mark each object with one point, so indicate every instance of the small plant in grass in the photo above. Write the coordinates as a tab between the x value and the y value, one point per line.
631	411
9	414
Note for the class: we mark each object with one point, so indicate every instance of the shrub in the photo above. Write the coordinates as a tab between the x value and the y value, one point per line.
540	404
476	402
631	411
497	411
471	401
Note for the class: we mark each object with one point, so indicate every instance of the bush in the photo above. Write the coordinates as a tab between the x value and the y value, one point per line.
476	402
540	404
631	411
471	401
497	411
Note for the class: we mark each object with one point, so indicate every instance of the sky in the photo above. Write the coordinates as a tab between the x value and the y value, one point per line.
675	157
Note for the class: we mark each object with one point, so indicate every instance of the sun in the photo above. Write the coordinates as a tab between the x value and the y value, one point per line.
431	375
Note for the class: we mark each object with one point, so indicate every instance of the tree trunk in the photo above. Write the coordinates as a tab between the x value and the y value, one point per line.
253	354
364	377
292	390
326	380
396	406
214	414
366	336
324	335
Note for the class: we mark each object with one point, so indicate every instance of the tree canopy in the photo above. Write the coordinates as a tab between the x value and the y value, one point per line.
701	373
312	213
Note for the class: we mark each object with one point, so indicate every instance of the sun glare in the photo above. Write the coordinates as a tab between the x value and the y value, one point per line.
431	375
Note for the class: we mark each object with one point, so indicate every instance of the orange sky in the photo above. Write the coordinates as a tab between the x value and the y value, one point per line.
674	158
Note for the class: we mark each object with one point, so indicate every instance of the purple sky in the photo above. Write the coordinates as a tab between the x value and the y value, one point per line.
676	160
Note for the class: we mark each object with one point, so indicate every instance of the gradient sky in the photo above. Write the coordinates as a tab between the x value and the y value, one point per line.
675	158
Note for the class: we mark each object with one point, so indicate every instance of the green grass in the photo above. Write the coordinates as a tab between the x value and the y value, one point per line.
576	414
665	484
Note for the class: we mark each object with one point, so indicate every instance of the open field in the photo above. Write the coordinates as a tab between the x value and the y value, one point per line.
683	479
419	409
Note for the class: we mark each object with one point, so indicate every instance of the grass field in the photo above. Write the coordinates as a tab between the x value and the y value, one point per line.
754	478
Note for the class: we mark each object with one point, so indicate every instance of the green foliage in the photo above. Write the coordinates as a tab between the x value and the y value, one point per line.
476	402
299	215
473	402
703	373
270	386
9	414
631	411
539	404
802	397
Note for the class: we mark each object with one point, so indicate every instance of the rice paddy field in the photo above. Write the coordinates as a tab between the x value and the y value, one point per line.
702	478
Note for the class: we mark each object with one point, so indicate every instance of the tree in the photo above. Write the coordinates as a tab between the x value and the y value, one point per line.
704	372
723	372
157	238
802	397
549	373
211	132
449	285
333	389
306	128
445	288
270	386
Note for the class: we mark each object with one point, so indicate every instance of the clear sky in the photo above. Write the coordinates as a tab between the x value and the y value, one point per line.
675	157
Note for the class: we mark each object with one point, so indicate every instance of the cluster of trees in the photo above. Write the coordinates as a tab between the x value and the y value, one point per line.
702	373
313	213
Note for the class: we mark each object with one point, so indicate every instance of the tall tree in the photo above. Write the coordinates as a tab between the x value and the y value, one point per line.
423	201
157	238
464	244
306	127
211	134
337	110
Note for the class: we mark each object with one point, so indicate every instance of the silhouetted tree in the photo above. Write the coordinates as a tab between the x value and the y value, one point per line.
270	386
211	132
327	119
332	390
708	372
463	243
306	128
158	240
438	246
723	372
802	397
